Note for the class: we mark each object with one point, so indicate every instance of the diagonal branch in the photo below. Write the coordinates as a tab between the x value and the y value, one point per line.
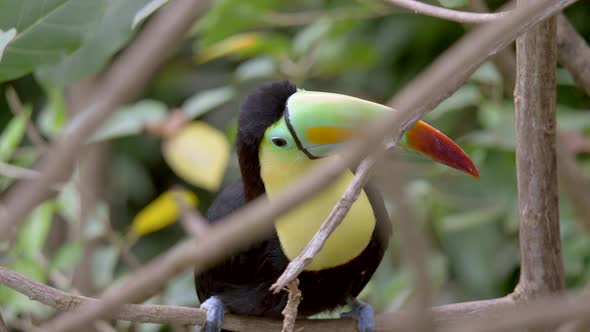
574	53
254	221
447	14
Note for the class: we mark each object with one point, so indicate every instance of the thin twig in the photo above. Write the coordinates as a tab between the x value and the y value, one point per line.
191	220
447	14
16	106
297	265
254	221
290	310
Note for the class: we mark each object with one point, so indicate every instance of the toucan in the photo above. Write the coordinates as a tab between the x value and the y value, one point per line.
282	132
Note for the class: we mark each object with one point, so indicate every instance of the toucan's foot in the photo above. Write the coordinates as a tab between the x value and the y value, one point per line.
364	315
215	311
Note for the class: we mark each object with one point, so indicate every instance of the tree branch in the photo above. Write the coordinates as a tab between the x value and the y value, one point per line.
122	82
574	53
3	327
536	162
254	221
481	316
447	14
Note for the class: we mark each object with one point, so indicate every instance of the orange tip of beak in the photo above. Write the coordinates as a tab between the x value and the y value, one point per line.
429	141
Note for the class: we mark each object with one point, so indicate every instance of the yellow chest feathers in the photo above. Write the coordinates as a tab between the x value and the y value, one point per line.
297	227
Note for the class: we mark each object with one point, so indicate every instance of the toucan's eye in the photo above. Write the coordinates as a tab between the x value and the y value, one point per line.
279	141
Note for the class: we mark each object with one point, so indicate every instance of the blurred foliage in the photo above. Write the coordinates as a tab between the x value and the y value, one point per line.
363	48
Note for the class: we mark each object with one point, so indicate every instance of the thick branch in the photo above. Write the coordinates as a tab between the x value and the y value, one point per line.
482	316
254	221
447	14
123	81
536	163
574	53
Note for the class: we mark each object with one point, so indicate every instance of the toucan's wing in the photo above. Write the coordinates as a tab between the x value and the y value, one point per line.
229	200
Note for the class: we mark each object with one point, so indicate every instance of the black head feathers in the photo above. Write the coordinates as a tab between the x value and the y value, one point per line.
261	109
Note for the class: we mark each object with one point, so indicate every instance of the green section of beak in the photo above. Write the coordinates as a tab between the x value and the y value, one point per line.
321	122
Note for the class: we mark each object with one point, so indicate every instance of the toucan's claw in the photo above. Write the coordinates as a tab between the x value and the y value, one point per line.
215	311
364	315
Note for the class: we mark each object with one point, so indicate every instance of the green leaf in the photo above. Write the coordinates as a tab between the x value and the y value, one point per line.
311	35
5	38
242	15
206	101
33	234
67	256
453	3
112	33
462	220
47	31
53	116
131	120
256	68
146	11
103	265
13	134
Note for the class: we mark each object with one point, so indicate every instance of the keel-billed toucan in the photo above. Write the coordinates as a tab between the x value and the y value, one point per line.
281	133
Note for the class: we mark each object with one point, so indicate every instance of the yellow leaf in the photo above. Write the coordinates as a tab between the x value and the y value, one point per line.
230	45
198	153
161	212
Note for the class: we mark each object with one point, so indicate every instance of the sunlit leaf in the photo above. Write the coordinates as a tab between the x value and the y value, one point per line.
5	38
161	212
111	34
131	120
33	234
205	101
47	31
146	11
53	116
67	256
198	153
13	134
244	45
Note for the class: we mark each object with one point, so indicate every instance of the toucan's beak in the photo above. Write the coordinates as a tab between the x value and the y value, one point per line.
321	122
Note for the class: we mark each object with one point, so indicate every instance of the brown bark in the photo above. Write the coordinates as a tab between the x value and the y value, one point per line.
574	53
535	95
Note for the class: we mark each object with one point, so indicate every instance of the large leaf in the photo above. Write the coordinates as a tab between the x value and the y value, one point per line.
199	154
112	34
131	120
161	212
47	31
